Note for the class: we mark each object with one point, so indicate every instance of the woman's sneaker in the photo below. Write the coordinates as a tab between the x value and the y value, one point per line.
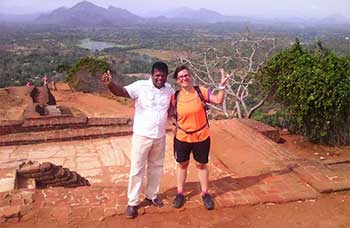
179	201
208	202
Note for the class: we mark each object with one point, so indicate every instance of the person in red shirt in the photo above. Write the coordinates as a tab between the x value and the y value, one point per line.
192	131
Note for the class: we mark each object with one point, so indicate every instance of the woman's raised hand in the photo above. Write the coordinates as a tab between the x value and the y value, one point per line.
224	77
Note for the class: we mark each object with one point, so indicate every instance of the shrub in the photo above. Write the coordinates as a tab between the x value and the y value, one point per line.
85	74
314	88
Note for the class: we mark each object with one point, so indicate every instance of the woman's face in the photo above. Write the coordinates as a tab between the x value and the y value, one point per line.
184	78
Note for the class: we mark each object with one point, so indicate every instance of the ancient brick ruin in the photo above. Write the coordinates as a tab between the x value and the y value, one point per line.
48	175
37	100
31	175
30	115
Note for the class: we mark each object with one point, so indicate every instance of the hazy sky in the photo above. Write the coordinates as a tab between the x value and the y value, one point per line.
308	8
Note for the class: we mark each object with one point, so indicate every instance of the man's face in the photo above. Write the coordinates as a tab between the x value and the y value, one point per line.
159	78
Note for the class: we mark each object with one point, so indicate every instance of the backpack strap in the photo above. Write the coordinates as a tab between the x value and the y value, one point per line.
175	106
204	104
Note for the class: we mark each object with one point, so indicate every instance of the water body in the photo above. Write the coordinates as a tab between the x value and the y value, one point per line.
98	45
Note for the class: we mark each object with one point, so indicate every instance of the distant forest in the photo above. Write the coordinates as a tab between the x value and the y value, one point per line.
27	52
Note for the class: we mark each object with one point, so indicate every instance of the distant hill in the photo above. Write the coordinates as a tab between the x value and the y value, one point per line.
335	19
87	14
185	14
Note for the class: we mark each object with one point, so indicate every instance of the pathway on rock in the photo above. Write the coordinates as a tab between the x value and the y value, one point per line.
91	105
245	169
245	151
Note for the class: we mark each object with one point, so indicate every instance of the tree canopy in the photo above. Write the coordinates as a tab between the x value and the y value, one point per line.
313	87
84	75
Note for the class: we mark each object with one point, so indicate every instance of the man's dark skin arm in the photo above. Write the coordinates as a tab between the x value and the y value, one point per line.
171	118
115	88
170	111
118	90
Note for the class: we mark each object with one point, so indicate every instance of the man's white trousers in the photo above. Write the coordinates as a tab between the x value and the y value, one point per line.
147	155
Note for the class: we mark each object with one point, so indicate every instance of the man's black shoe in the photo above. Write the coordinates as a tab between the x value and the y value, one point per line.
208	202
131	211
156	202
179	201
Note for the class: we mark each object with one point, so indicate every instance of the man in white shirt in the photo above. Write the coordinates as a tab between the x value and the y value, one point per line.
152	99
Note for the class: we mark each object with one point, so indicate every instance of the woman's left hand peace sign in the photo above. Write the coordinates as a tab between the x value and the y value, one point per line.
224	77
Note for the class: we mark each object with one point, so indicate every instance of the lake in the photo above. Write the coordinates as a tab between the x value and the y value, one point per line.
98	45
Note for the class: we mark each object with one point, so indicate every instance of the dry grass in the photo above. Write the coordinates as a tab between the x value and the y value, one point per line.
166	55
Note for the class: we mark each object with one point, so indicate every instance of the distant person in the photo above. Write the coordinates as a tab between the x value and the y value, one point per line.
192	131
45	80
28	83
49	83
152	99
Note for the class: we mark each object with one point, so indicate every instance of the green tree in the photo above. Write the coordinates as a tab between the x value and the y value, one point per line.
313	87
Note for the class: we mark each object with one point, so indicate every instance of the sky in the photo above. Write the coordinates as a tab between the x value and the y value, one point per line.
267	8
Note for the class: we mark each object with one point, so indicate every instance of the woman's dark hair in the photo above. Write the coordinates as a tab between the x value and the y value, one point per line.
178	69
161	67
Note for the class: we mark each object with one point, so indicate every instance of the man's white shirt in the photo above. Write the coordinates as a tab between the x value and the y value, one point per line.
151	107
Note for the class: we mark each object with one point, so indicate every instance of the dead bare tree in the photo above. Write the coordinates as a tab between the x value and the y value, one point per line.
242	60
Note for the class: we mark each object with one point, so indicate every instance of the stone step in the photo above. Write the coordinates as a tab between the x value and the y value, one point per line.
245	151
7	179
53	110
264	129
323	178
67	134
49	123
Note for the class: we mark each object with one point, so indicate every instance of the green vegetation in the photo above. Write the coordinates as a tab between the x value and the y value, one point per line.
85	74
89	64
313	87
27	52
17	69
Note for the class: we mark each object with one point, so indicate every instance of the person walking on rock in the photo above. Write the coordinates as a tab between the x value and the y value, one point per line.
192	130
152	99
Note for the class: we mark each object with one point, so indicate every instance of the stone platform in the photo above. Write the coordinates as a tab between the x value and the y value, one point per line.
246	168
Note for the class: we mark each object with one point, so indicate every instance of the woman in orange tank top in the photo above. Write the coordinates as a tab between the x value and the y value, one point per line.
192	131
